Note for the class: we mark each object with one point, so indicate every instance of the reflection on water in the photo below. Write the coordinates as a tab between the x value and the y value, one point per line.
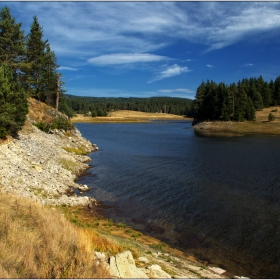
213	133
216	197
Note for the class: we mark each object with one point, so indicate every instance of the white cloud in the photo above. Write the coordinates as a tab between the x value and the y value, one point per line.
67	68
143	27
113	92
125	58
177	90
172	71
248	64
209	66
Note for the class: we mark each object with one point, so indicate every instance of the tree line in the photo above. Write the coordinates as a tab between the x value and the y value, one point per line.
236	102
101	106
28	68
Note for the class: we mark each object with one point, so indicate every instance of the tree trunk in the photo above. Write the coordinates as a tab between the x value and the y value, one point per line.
57	92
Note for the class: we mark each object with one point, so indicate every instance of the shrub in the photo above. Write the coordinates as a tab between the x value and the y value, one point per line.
271	117
57	123
3	132
275	110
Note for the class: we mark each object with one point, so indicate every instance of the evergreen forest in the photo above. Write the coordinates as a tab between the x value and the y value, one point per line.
236	102
28	68
101	106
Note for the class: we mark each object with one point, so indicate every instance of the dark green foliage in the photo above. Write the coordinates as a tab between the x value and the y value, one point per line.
266	95
13	103
234	102
57	123
12	41
35	61
40	77
250	110
271	117
276	92
101	106
64	108
101	113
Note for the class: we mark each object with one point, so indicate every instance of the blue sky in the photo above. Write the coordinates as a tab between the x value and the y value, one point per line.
144	49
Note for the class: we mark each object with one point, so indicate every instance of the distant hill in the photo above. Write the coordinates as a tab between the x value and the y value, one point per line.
100	106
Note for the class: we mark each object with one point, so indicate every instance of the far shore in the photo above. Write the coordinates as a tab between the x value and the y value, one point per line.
260	126
127	116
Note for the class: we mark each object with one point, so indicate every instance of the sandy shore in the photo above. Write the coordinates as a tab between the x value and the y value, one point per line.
128	116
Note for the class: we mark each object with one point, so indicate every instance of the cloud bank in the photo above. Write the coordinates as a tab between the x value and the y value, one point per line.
125	58
144	27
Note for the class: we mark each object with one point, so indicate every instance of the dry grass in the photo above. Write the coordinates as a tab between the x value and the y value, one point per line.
36	242
262	116
128	116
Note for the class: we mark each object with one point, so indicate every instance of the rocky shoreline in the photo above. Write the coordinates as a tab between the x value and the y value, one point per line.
43	167
38	166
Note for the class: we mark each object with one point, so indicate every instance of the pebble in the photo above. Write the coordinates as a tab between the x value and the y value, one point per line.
32	166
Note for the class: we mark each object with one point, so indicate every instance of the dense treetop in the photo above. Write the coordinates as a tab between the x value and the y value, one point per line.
28	68
100	106
237	102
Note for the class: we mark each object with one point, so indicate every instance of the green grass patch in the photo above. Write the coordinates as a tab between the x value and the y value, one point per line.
77	151
68	164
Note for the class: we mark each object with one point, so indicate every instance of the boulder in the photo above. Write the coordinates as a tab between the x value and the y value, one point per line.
143	259
155	271
123	266
217	270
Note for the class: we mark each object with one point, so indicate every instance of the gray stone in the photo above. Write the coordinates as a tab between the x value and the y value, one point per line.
155	271
123	266
143	259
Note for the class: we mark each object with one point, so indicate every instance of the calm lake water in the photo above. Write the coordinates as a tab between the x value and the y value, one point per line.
217	198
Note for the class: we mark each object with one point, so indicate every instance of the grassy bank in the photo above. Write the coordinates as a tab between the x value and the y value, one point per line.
37	242
127	116
58	242
260	126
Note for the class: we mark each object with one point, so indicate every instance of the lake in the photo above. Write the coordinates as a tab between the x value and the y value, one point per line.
217	198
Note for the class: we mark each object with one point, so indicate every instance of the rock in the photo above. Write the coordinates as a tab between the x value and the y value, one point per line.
143	259
123	266
100	255
217	270
32	166
155	271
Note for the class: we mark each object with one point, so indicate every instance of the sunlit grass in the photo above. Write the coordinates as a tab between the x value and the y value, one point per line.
37	242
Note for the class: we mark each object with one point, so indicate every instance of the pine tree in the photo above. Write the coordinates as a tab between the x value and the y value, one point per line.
13	103
250	110
35	61
49	76
276	93
12	41
241	103
233	95
271	87
197	106
257	101
266	95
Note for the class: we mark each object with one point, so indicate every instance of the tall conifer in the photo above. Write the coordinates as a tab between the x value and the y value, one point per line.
35	61
13	103
12	41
